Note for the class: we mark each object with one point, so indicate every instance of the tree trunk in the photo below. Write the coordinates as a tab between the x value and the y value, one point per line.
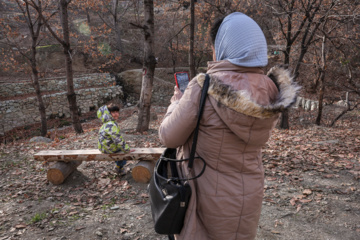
148	68
299	61
173	56
287	55
284	121
192	34
117	27
71	96
33	64
321	81
119	45
36	85
321	97
88	16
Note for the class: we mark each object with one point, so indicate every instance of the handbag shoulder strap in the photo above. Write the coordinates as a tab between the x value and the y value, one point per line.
201	109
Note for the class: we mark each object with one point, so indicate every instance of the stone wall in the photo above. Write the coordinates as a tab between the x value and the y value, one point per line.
307	104
310	105
55	84
163	85
93	91
163	88
22	112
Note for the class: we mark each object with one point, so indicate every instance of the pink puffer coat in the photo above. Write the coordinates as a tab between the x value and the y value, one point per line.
241	109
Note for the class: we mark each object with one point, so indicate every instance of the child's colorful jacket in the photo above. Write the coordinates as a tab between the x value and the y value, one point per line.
110	139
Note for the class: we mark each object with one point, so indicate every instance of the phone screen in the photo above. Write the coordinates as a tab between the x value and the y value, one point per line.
182	80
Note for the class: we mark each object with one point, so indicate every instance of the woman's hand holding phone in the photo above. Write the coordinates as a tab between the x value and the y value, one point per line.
177	95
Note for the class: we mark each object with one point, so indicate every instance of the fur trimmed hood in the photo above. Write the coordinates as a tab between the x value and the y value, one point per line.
241	101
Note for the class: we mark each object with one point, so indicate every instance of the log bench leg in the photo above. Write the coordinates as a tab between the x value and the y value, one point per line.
143	171
59	171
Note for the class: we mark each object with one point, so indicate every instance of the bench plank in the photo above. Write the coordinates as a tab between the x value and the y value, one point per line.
95	155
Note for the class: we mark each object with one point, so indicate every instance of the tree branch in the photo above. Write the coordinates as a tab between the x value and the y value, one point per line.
104	21
178	33
137	25
37	8
343	113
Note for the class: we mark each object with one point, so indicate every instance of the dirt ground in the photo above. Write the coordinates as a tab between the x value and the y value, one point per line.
312	187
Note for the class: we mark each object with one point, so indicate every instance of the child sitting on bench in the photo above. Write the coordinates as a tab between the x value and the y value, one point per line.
110	139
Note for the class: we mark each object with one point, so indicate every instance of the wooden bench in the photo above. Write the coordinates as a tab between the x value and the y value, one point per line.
66	161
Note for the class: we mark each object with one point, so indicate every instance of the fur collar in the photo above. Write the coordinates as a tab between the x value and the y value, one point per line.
240	101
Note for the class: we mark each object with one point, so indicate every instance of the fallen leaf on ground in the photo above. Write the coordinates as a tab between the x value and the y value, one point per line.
269	200
307	192
20	226
144	195
140	217
271	178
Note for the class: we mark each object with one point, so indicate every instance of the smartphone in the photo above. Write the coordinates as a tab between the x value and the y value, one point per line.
182	80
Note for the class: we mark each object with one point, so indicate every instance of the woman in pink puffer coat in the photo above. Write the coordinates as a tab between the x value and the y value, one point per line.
241	109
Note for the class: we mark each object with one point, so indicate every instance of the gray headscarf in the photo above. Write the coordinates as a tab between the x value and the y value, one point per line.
241	41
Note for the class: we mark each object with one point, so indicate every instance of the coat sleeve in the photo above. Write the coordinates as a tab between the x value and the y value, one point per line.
180	119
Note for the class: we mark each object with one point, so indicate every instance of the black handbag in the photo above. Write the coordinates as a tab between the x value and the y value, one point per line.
170	194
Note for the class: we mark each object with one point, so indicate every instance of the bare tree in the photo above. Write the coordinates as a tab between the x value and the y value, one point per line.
34	33
148	68
173	28
352	85
34	24
337	27
65	42
298	23
111	12
322	68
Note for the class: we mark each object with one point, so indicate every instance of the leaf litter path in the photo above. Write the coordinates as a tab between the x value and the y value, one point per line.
311	190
